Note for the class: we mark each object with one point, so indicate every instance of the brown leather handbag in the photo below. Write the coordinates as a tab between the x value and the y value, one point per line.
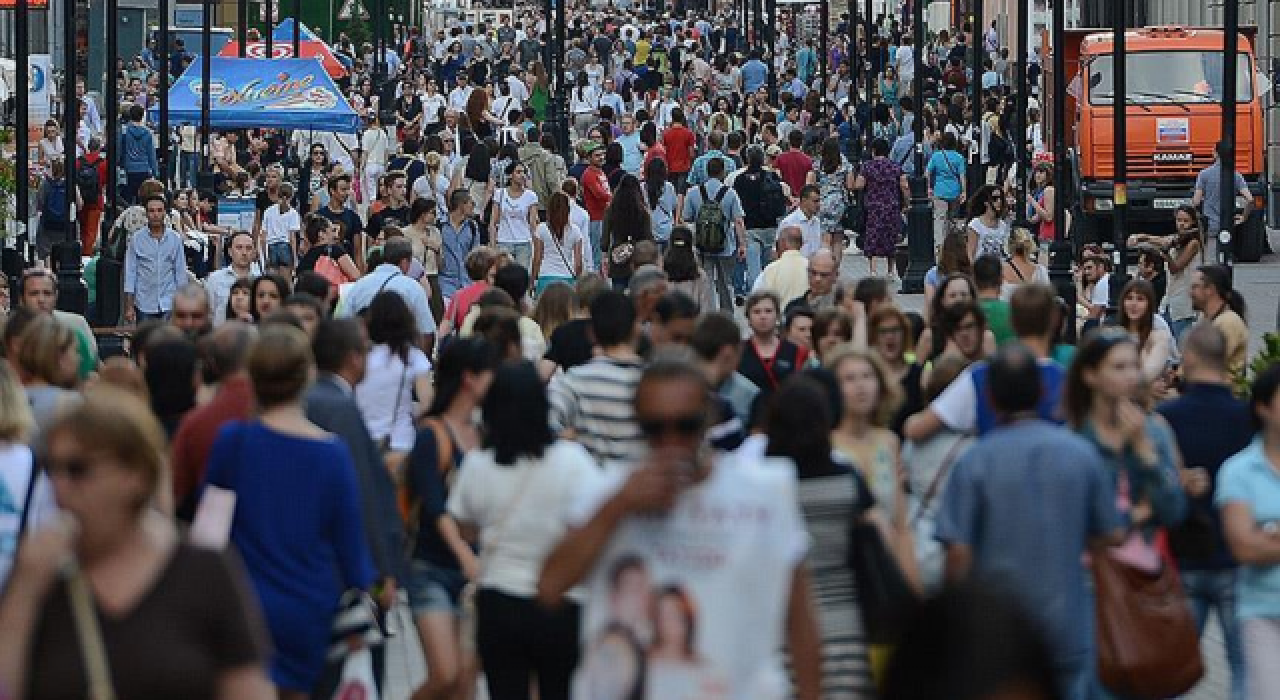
1148	645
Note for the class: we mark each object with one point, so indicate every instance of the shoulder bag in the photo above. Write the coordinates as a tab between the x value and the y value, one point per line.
89	637
1148	644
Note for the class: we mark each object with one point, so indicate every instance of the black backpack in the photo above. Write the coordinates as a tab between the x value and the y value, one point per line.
87	181
775	200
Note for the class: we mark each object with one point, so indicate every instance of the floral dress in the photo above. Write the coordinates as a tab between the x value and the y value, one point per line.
882	200
835	196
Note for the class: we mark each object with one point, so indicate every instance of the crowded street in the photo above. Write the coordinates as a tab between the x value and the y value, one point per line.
635	350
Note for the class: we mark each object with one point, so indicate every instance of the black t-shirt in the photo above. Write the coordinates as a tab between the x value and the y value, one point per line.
351	221
388	217
308	261
571	344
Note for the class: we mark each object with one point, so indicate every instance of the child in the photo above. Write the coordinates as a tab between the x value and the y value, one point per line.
280	226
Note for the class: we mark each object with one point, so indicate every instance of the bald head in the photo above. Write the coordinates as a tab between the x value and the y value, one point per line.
791	238
192	312
822	272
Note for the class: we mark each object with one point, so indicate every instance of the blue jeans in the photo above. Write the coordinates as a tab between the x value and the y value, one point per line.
1216	590
522	253
595	231
760	245
1179	327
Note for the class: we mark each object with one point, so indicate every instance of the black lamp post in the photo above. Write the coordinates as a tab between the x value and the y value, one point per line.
557	106
824	22
242	26
73	295
162	41
920	214
22	140
206	47
977	175
1022	158
1227	207
269	10
1119	102
1060	253
297	28
771	7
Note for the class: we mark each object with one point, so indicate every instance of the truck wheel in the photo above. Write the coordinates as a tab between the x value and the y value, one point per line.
1250	239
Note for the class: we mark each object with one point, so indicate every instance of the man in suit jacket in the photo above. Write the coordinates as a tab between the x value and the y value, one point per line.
340	347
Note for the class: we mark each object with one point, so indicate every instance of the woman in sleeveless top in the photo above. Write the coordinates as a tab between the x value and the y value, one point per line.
1019	268
1041	202
987	229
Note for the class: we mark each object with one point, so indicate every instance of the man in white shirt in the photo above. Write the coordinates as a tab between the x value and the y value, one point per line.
515	81
905	60
699	525
805	217
393	276
280	226
219	282
459	95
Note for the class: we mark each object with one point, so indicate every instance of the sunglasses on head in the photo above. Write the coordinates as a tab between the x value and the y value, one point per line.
684	426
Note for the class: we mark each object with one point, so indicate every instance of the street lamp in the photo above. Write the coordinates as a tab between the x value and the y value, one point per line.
1060	254
557	105
1227	189
1120	126
73	295
920	215
162	41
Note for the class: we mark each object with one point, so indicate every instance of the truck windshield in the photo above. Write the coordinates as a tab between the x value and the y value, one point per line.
1156	77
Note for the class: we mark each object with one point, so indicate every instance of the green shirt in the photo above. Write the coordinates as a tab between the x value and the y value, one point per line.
997	312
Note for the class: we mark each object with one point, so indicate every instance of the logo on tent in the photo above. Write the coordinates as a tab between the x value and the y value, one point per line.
216	87
349	9
259	50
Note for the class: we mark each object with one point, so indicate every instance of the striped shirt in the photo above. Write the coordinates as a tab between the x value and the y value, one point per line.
595	402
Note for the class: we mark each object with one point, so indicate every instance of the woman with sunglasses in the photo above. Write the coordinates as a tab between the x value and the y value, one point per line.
312	179
172	619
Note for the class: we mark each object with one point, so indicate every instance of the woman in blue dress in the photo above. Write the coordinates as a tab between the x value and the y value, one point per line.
297	522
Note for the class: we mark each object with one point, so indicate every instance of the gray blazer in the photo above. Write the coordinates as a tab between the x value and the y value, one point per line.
333	408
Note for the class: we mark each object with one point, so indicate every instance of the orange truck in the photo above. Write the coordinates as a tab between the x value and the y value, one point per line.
1174	111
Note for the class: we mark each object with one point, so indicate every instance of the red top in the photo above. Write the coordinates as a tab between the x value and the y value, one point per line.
194	440
461	302
794	166
657	151
595	192
678	141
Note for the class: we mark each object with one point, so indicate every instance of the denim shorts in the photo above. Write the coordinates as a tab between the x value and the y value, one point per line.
279	255
434	589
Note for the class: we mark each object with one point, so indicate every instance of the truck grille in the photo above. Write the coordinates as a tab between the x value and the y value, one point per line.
1143	165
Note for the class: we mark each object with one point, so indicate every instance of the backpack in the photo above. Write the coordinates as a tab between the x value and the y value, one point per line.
87	181
411	507
54	212
708	231
775	200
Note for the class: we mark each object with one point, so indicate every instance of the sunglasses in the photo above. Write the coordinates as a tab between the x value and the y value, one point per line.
684	426
76	468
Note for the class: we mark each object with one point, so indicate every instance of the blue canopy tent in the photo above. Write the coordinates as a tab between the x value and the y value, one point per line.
245	93
284	31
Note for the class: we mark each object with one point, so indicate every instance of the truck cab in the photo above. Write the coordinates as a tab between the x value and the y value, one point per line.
1173	104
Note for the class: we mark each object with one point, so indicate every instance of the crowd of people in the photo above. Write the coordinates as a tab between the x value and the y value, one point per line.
615	427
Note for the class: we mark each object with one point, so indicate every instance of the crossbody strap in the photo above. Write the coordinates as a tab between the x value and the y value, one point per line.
937	479
25	519
89	636
568	265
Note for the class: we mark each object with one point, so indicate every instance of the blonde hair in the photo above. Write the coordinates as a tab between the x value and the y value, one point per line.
890	397
1021	242
118	423
42	346
16	423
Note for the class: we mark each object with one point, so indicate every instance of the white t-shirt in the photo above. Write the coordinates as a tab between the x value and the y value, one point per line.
1101	295
514	225
15	476
376	144
458	98
581	220
991	240
811	227
557	256
584	100
280	227
509	504
723	558
385	379
437	191
431	105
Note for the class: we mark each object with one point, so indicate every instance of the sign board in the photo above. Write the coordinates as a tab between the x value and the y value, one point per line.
33	4
188	16
350	8
1173	130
